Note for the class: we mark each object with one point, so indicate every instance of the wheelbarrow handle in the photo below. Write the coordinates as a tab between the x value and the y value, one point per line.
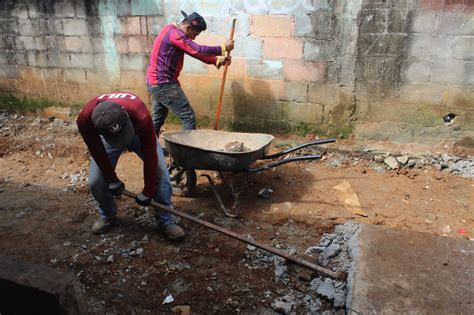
299	147
284	161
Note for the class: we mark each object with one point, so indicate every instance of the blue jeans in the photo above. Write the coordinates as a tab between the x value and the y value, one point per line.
171	97
100	191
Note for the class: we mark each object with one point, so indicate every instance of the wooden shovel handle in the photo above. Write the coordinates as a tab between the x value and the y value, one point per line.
219	103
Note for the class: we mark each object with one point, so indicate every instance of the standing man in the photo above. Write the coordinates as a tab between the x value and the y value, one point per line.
109	124
166	62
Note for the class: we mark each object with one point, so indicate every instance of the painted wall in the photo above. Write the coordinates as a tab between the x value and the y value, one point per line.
381	69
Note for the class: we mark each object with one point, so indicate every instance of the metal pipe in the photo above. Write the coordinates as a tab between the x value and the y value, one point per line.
297	261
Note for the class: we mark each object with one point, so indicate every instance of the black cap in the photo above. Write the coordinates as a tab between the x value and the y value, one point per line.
113	123
197	21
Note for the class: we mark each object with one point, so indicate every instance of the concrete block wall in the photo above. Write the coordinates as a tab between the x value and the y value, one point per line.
331	66
414	66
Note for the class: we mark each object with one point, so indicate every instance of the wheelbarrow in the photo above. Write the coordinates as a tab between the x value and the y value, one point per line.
227	153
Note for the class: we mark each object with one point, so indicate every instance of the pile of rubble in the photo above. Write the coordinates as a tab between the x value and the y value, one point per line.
313	294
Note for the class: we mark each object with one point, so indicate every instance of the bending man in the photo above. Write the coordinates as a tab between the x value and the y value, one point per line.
109	124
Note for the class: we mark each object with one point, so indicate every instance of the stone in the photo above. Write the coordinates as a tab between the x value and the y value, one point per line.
331	251
391	162
282	307
403	159
326	289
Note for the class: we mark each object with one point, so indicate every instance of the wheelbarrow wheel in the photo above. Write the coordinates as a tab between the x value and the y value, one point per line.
182	181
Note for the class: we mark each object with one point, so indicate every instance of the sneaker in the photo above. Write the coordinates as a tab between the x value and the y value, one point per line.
103	224
172	231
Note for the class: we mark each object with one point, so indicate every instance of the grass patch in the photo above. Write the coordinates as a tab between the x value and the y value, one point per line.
23	104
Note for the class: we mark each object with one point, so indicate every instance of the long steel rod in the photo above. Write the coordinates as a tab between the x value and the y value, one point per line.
297	261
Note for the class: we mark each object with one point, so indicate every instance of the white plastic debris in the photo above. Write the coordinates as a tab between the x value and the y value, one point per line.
168	299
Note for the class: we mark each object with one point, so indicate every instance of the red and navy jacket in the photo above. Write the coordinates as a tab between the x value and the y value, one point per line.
144	129
167	56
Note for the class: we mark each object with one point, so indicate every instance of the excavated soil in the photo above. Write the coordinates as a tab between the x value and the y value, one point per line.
46	215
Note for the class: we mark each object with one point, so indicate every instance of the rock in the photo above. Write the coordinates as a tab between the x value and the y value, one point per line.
391	162
339	300
331	251
326	289
403	159
411	163
282	307
314	250
251	248
379	158
446	229
315	283
110	259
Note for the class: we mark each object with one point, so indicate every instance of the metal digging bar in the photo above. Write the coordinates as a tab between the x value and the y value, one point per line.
297	261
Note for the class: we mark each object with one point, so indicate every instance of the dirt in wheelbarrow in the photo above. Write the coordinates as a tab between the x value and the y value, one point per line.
46	215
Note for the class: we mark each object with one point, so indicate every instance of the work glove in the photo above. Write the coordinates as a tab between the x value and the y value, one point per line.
142	200
116	188
221	61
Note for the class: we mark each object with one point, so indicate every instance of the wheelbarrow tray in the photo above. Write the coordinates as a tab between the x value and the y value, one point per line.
205	149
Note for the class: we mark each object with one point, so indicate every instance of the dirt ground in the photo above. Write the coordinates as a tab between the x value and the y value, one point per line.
46	215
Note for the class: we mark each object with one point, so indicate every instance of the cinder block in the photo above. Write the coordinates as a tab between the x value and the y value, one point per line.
271	26
304	71
78	44
427	46
26	43
265	69
52	75
20	10
210	7
327	94
143	8
131	79
235	70
424	22
296	91
85	61
130	25
248	47
133	62
372	21
311	113
417	72
203	84
389	44
268	89
154	24
138	44
98	78
276	48
318	50
37	59
464	48
323	25
194	66
397	21
64	9
41	44
122	44
75	76
97	44
303	26
27	27
453	72
455	23
75	27
221	25
210	40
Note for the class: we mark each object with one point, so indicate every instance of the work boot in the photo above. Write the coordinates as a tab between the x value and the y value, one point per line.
172	231
103	224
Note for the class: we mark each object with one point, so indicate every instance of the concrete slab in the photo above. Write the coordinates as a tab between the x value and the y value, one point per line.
27	288
411	272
